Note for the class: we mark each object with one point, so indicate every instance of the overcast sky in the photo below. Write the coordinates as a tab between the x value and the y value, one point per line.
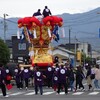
22	8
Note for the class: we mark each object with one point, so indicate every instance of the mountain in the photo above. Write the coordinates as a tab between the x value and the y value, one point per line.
85	26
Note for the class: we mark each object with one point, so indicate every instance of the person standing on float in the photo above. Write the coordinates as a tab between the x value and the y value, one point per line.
46	12
37	13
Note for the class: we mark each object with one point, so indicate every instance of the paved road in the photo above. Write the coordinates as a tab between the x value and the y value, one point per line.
49	94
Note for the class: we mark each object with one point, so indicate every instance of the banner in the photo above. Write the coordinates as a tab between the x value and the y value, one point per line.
18	34
99	32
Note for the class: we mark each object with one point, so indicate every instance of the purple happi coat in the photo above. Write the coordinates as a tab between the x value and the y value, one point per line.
17	75
49	72
62	75
55	78
26	73
38	78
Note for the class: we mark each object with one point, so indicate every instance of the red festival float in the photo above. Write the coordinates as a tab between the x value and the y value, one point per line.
39	33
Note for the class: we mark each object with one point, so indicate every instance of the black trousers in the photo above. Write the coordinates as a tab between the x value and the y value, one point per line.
79	82
19	84
3	88
65	87
26	82
36	89
49	82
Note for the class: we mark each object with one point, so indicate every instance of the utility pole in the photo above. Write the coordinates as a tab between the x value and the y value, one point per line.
75	53
69	41
69	38
4	15
84	56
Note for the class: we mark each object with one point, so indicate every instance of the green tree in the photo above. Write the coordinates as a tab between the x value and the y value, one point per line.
83	57
4	53
86	59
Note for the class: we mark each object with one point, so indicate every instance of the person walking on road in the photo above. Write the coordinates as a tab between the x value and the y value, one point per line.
38	81
3	81
71	79
88	77
62	79
49	75
26	76
97	77
79	78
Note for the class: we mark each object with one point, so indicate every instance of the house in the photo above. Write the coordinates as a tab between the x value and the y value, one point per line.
63	53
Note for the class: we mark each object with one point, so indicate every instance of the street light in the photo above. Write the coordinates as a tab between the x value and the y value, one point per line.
4	15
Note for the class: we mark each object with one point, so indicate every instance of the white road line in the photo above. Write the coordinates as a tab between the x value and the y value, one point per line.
47	93
18	93
31	93
85	84
7	93
30	90
77	93
93	93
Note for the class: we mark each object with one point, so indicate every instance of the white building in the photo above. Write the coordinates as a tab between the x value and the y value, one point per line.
63	53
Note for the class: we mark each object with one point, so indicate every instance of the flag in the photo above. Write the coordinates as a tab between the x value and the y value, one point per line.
57	37
34	33
99	32
9	86
28	33
18	34
31	53
72	62
55	33
63	32
49	32
22	35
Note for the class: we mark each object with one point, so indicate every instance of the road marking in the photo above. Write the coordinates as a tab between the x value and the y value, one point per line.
31	93
61	93
85	84
47	93
7	93
77	93
93	93
17	93
30	90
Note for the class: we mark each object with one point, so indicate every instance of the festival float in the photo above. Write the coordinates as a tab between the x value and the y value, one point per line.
40	32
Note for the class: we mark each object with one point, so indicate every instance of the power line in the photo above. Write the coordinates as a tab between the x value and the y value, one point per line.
92	33
9	28
77	24
79	20
9	20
